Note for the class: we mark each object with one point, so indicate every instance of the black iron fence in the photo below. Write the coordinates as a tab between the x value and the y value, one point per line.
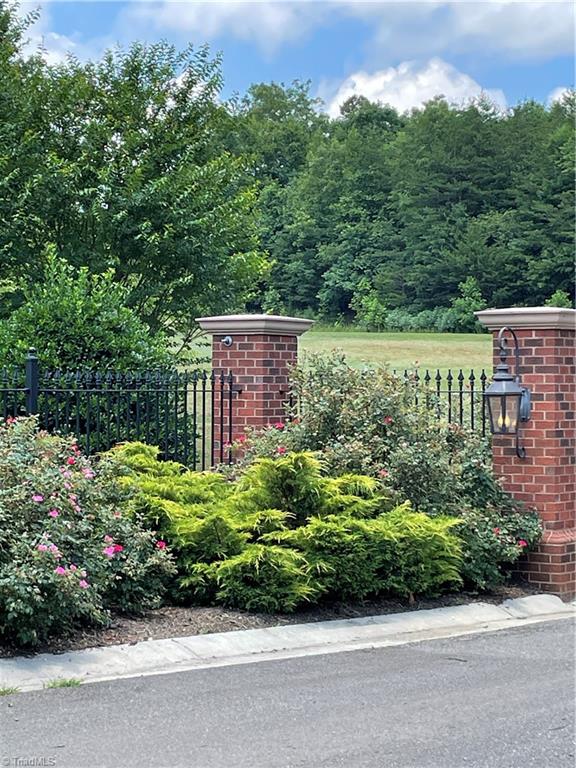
187	414
457	397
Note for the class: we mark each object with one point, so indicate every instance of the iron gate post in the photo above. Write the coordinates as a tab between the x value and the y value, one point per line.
32	382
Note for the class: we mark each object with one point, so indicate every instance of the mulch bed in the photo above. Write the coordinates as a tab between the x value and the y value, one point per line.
175	621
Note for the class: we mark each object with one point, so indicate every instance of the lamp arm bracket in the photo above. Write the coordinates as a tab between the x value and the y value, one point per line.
504	349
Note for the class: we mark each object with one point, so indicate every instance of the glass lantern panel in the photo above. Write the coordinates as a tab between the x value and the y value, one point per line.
504	412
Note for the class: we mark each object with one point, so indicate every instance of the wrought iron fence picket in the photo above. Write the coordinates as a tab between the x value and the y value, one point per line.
166	408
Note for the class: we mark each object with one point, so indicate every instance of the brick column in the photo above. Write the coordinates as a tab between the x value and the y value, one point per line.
259	350
546	478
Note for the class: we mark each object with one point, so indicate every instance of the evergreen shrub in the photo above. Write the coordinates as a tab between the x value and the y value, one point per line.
80	321
366	421
285	533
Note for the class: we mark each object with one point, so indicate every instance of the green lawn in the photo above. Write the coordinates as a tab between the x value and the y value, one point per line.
398	350
405	350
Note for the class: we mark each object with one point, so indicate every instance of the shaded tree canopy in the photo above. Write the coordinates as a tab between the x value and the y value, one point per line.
131	163
116	162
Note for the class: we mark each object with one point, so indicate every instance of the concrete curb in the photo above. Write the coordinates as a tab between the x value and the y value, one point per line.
240	647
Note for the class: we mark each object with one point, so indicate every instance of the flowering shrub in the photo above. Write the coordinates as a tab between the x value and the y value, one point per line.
367	421
68	553
493	542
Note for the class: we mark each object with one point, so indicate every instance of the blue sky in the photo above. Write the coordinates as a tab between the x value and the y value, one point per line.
403	52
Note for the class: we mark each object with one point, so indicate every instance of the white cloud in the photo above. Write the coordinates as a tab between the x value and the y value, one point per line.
528	29
410	85
268	24
558	94
400	31
52	46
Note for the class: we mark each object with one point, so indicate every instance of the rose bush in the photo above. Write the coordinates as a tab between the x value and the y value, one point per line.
68	553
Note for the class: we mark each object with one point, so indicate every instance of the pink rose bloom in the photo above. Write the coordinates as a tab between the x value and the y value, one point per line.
117	514
279	425
241	439
108	551
53	548
71	460
281	449
83	584
118	548
59	570
68	486
388	419
160	545
87	472
53	513
38	498
42	548
383	473
73	567
108	539
496	531
522	543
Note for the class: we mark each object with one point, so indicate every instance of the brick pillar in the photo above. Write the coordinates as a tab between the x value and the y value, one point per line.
259	350
546	478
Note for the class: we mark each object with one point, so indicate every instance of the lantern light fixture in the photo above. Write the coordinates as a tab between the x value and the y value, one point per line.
507	400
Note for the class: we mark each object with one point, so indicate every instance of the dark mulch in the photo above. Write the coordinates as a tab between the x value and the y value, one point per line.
173	621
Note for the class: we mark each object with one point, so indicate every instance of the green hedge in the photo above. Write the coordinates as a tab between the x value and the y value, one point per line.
285	533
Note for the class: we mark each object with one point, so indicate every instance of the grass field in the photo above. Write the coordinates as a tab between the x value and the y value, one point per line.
398	350
405	350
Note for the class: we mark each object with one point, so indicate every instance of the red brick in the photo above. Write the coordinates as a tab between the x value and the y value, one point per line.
547	478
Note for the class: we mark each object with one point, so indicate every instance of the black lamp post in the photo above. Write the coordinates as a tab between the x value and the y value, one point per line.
508	401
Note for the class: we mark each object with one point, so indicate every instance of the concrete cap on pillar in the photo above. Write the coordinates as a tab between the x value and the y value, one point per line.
529	317
274	325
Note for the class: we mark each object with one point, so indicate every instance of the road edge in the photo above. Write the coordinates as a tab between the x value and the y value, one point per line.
153	657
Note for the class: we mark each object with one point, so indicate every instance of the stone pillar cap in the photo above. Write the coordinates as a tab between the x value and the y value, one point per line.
275	325
529	317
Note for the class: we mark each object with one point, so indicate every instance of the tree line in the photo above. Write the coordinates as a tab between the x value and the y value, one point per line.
132	163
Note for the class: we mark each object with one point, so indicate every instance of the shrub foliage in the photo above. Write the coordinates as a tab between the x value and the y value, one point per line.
367	421
68	552
285	533
78	320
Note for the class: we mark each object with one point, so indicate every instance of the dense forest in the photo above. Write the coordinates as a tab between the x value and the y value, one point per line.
133	163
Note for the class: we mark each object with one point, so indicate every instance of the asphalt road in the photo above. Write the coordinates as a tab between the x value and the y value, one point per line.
503	699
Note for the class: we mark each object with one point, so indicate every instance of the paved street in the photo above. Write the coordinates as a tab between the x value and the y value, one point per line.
503	699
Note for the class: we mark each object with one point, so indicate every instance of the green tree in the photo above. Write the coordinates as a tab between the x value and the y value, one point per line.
79	320
336	229
125	171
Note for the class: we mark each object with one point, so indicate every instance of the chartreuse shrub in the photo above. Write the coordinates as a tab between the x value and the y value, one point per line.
367	423
68	551
264	577
284	533
399	552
